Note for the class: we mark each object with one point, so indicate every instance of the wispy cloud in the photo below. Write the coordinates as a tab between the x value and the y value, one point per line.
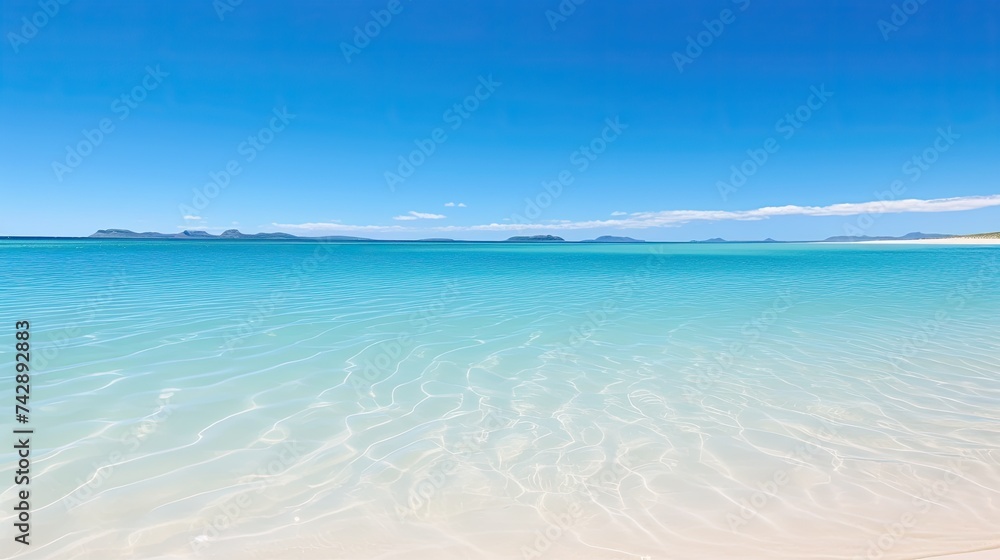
189	217
452	204
333	226
420	216
675	218
617	213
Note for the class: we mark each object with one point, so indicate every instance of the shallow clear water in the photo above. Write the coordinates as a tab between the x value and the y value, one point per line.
419	400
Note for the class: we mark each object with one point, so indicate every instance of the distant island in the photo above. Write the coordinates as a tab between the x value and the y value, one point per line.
522	238
908	236
234	235
612	239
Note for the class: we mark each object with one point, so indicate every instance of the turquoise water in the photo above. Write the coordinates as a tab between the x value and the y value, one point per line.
419	400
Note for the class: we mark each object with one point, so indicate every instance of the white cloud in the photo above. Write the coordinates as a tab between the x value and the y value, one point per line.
461	205
619	213
331	226
452	204
675	218
449	204
189	217
420	216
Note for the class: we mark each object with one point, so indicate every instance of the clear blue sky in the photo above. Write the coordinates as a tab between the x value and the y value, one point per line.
207	83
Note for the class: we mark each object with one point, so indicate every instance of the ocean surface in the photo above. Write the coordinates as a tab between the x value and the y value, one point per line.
282	400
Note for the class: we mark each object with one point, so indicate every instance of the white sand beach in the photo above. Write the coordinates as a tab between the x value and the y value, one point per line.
944	241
